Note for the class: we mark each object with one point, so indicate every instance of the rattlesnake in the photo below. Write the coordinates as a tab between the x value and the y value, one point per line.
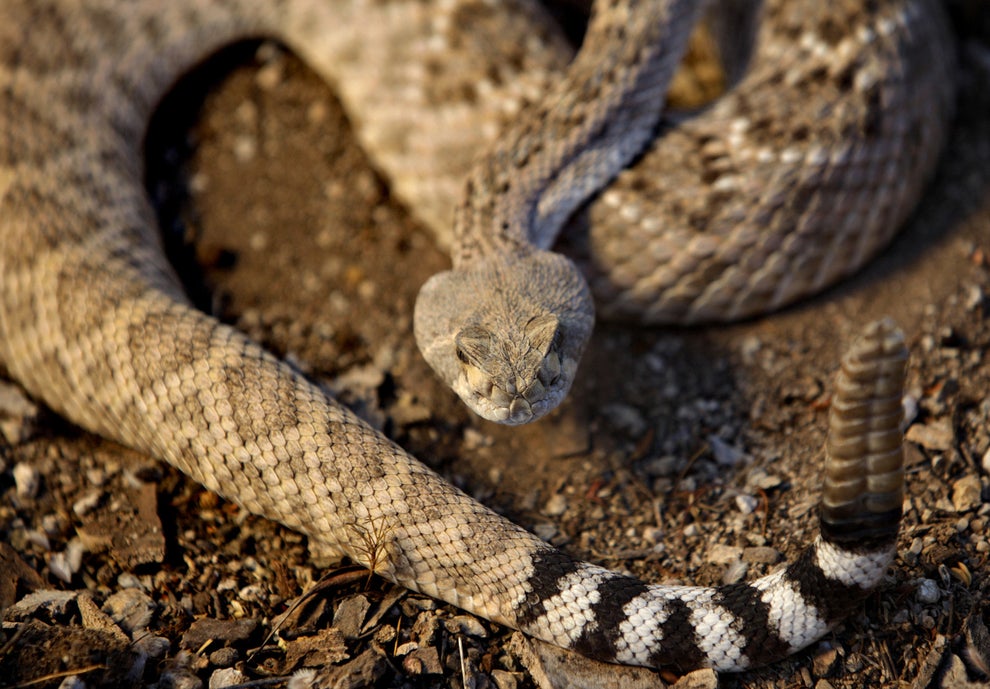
93	320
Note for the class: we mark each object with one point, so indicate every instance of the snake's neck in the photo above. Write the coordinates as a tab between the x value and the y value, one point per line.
576	139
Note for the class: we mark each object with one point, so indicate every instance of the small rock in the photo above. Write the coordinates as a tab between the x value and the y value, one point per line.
474	439
966	493
556	505
545	531
936	435
126	580
825	661
38	538
405	649
20	411
27	480
749	348
227	677
87	503
764	555
65	564
367	670
760	478
725	455
207	629
54	603
152	646
224	657
975	298
747	504
131	609
349	616
505	680
423	661
654	535
699	679
986	461
928	591
722	554
326	647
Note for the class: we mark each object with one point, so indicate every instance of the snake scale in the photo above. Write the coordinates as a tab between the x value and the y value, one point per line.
793	179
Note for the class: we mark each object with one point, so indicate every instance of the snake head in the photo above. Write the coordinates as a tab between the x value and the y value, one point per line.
506	333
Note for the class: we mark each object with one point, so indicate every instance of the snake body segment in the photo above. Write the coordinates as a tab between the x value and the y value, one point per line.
93	321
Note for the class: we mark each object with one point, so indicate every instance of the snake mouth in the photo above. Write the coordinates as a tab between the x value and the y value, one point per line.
517	412
516	400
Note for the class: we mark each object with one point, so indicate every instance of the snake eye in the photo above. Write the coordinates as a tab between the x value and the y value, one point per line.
461	355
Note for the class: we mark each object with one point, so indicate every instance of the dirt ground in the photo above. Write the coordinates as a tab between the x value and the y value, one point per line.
687	455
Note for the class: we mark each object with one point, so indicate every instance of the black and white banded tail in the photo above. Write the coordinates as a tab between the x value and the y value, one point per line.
619	619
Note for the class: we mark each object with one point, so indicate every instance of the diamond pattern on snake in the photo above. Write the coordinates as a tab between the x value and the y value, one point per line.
497	140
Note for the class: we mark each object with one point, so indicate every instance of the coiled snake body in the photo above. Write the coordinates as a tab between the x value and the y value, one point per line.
795	191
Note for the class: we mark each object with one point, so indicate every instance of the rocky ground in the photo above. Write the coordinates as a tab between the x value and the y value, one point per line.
687	455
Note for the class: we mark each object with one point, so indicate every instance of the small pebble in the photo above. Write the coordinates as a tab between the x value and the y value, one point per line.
975	298
725	455
224	657
65	564
126	580
937	435
131	609
38	538
760	478
699	679
825	660
406	648
556	505
545	530
505	680
350	615
966	493
227	677
423	661
928	591
722	554
747	504
21	414
27	480
60	567
87	503
207	629
763	555
152	646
